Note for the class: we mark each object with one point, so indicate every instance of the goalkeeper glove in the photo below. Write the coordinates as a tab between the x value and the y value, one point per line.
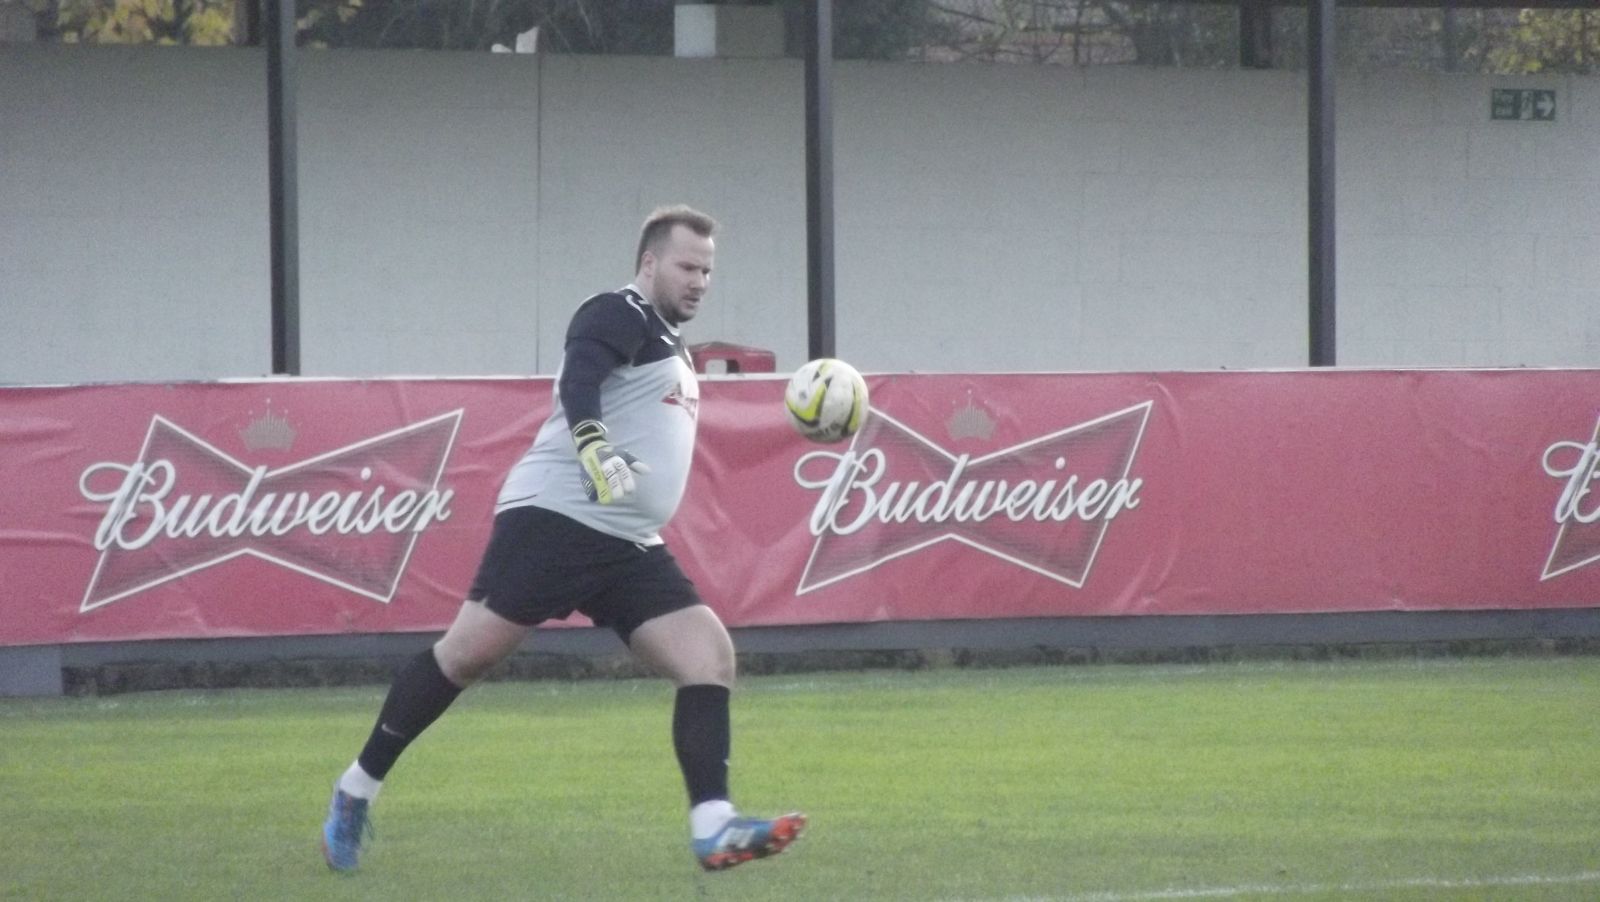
607	470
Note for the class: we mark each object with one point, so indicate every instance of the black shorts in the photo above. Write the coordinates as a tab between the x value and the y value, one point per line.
542	566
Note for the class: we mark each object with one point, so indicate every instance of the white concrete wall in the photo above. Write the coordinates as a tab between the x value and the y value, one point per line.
419	201
622	136
1465	241
133	226
456	207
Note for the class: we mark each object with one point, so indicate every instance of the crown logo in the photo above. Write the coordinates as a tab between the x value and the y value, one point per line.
269	430
970	422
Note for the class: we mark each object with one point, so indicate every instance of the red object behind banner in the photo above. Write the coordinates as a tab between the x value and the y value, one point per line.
305	506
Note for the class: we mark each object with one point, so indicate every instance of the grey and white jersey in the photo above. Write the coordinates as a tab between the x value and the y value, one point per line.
649	404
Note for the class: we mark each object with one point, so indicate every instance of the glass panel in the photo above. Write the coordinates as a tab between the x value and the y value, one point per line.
1489	41
1438	37
199	23
553	26
1060	32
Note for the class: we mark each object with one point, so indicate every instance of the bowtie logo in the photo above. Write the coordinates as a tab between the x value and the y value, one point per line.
349	517
1577	514
1044	504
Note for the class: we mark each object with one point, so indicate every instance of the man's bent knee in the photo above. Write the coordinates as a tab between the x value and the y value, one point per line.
475	642
688	646
721	672
711	669
460	665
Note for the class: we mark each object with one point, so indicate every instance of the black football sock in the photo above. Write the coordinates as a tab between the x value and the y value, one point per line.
419	694
700	736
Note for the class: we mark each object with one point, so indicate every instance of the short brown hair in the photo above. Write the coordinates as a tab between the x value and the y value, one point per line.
658	225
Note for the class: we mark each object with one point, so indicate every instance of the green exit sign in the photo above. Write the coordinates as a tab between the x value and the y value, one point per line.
1526	104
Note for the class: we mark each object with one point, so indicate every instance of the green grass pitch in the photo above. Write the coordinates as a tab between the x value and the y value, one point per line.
1472	778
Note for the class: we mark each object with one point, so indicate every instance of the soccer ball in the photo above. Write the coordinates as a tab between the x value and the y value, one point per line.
826	400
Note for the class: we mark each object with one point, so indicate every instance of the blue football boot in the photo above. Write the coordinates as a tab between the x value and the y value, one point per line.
344	830
744	839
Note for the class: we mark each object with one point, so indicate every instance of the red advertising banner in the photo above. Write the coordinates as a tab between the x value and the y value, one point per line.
283	507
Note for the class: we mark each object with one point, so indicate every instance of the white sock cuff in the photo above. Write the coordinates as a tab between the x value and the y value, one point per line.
359	783
706	818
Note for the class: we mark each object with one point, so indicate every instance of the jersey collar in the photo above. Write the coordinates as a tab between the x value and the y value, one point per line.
633	289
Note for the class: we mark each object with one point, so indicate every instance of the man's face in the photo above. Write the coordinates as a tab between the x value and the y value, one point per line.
679	275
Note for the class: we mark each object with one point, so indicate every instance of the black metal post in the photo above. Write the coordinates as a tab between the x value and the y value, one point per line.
819	178
1255	34
1320	46
282	189
1450	49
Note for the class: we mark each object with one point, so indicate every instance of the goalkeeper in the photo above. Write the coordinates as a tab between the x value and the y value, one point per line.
577	528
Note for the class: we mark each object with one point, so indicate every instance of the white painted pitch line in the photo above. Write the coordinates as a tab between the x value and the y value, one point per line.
1302	889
